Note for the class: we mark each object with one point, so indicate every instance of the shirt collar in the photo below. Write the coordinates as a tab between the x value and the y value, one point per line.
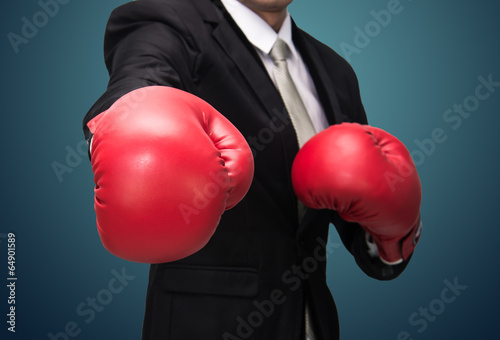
257	31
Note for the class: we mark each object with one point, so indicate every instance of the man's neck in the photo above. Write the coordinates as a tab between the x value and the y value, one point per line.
274	19
273	12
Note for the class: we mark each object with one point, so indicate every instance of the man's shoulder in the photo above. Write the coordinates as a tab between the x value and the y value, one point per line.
158	9
324	50
333	61
178	15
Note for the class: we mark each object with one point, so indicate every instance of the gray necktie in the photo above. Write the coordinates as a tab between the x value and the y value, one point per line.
301	121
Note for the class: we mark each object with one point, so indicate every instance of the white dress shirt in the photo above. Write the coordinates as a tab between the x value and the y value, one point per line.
262	36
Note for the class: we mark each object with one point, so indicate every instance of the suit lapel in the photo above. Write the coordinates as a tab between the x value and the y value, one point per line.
245	58
319	74
248	62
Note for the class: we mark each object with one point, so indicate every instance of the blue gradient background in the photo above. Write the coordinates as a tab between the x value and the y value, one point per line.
428	58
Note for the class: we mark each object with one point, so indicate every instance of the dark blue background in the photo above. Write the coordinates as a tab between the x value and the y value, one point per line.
426	59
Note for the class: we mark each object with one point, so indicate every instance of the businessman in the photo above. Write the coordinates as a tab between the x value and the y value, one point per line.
262	274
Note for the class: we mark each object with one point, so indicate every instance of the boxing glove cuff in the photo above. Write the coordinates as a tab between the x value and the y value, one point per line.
392	251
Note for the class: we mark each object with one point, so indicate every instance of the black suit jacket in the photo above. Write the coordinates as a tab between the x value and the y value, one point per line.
251	280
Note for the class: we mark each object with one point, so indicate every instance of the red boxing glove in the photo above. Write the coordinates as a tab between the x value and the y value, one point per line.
166	166
368	177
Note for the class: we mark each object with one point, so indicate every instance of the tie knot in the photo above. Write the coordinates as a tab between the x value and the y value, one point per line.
279	51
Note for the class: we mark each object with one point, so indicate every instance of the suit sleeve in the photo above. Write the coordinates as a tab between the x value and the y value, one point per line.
143	48
354	239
